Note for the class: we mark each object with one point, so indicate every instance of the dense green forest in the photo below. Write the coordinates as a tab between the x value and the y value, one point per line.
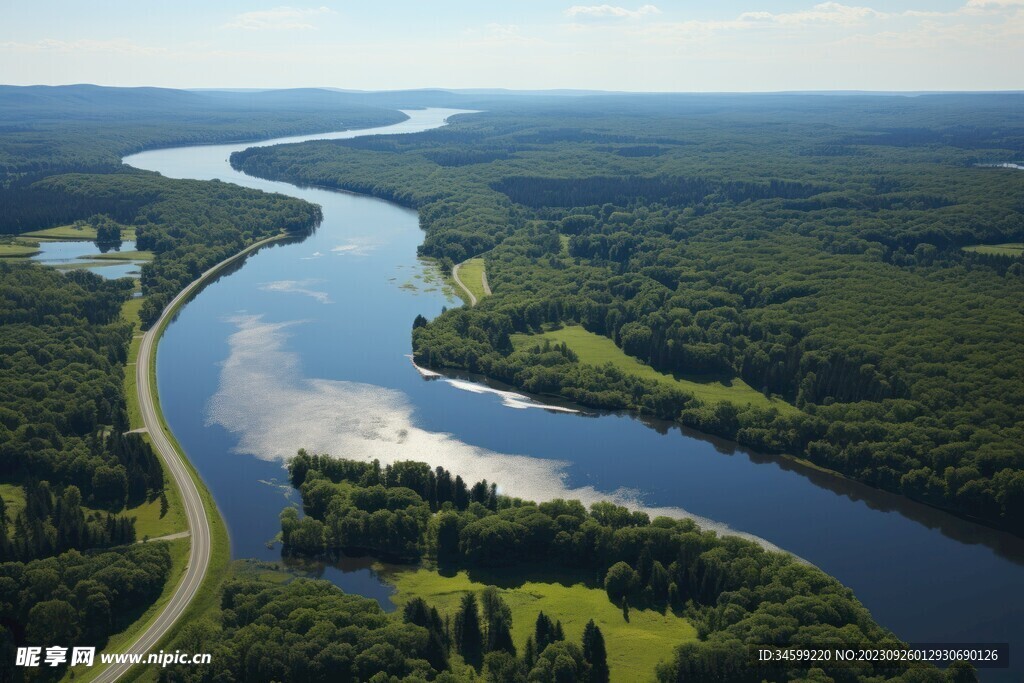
62	406
68	467
76	598
734	591
808	245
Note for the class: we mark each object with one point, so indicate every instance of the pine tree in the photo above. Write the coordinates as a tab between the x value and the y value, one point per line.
468	637
595	654
543	633
498	618
530	653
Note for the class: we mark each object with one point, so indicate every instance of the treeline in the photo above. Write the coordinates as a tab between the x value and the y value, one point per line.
76	599
836	282
623	191
50	524
736	592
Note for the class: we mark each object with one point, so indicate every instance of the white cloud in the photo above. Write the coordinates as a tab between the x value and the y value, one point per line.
359	246
823	13
264	399
117	46
298	287
609	12
278	19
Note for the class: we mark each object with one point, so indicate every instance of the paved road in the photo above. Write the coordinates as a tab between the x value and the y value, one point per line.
198	524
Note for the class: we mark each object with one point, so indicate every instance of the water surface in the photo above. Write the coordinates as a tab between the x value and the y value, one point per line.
307	343
76	254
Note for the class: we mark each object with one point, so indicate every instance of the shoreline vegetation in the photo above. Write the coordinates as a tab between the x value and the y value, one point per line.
804	272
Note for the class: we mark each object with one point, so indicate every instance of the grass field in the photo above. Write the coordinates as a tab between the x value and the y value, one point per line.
130	311
14	500
595	349
70	232
471	273
1009	249
634	647
18	249
149	523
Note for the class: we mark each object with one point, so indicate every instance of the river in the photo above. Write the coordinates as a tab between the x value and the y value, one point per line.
307	343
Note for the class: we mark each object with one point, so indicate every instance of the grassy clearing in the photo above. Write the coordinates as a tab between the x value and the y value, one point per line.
130	255
595	349
130	314
1008	249
149	523
71	232
130	311
18	249
471	272
634	647
14	500
120	642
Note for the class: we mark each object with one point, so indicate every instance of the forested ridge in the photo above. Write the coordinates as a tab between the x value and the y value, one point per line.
810	246
734	591
86	128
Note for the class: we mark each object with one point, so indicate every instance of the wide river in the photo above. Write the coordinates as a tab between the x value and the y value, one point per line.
306	346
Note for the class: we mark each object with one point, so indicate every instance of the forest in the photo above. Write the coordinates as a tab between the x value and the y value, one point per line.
810	246
734	591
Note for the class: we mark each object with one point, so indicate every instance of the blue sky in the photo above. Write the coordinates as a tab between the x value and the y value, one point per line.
677	45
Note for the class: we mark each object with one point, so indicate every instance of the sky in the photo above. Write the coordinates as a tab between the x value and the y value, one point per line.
661	45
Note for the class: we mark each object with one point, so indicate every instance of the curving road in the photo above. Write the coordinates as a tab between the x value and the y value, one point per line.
455	276
198	524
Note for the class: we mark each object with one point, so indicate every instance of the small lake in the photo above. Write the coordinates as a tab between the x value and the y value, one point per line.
306	345
76	254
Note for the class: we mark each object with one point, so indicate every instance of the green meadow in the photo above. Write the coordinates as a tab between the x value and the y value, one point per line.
634	647
594	349
1008	249
471	272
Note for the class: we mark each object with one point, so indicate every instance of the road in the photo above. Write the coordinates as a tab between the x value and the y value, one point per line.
455	276
195	513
